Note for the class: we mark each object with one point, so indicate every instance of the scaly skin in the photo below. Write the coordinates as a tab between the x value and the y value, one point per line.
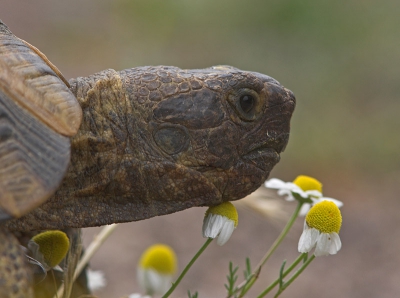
156	140
15	275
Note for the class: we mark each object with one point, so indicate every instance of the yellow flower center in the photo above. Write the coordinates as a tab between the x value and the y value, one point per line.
159	257
325	216
53	245
308	183
225	209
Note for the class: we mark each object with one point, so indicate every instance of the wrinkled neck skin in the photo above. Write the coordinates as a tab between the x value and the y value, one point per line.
157	140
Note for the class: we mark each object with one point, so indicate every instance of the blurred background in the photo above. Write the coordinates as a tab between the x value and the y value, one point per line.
342	61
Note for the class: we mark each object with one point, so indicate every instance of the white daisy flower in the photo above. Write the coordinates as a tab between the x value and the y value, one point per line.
321	230
306	187
220	221
306	207
156	268
287	188
49	248
136	295
96	280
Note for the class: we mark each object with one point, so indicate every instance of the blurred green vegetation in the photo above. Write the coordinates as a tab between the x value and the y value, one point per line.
340	58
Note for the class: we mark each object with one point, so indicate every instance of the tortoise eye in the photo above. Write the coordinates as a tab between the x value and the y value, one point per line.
247	103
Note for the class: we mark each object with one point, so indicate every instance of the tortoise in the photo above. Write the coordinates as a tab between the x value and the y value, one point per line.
128	145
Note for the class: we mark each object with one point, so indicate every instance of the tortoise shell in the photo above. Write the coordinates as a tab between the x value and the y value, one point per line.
38	114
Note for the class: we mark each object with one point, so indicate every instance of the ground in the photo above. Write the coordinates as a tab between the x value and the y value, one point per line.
365	267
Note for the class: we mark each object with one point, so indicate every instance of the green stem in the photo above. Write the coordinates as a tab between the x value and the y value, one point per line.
294	264
176	283
246	285
298	272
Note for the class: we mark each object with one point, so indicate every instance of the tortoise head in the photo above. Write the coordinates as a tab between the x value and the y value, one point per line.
219	136
156	140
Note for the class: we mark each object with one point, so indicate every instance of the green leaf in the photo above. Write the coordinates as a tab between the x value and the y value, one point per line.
195	295
281	282
232	278
247	273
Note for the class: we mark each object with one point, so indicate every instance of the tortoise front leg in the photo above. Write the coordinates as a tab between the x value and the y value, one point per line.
15	275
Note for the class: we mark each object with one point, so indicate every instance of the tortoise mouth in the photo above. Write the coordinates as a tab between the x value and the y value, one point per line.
262	152
273	144
264	155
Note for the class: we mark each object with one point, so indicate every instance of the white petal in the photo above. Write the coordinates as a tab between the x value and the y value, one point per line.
136	295
336	243
287	193
217	225
212	225
275	183
301	192
304	209
142	278
324	243
338	203
307	239
153	282
33	247
165	284
313	193
226	232
314	235
96	279
304	239
291	186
